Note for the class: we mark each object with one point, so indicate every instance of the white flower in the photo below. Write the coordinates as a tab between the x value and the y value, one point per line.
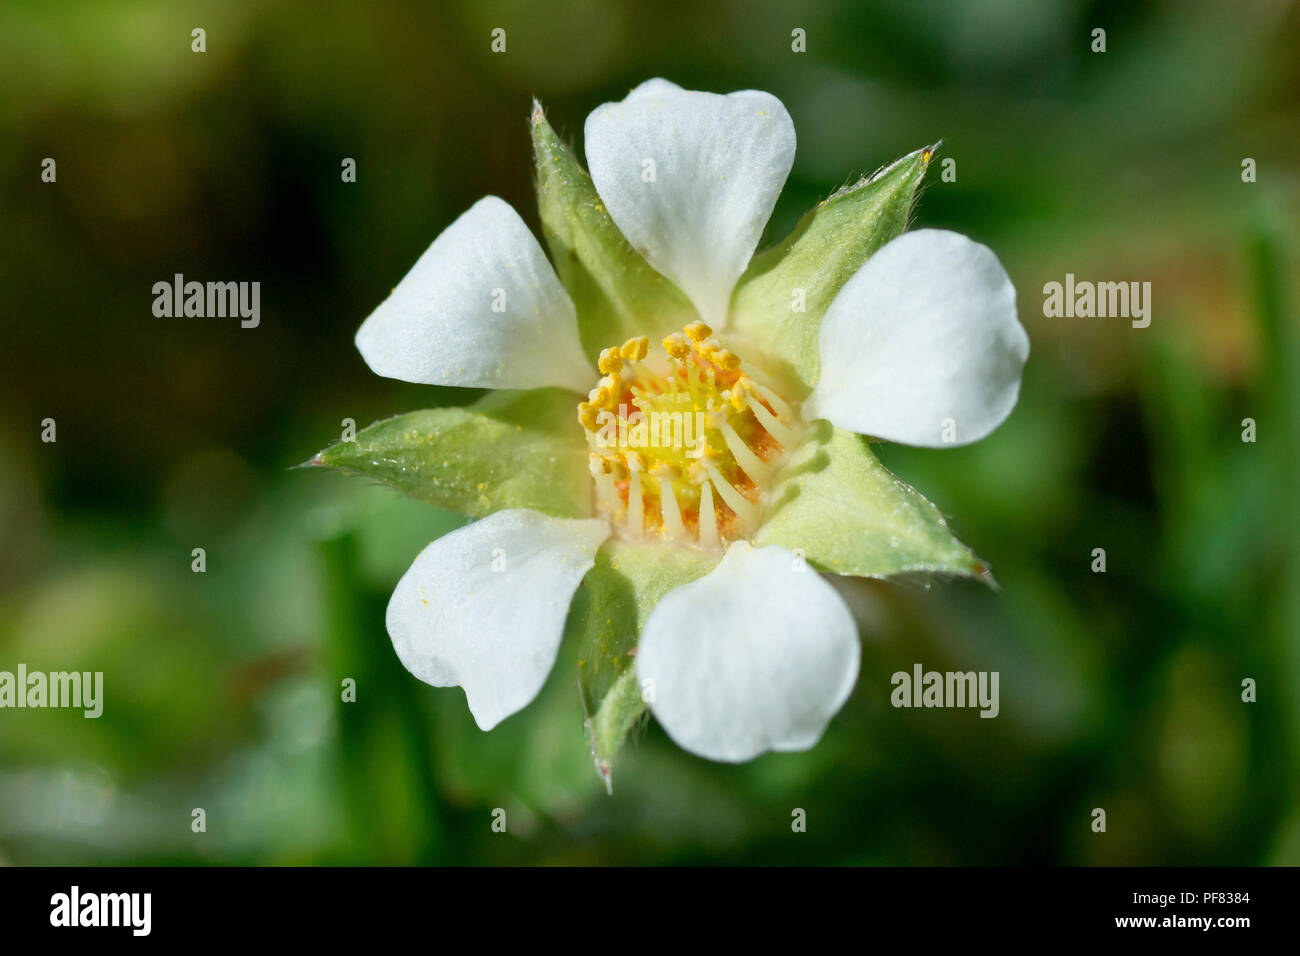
921	346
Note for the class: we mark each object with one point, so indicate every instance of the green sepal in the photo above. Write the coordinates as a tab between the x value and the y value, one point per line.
846	513
606	618
830	244
508	450
617	294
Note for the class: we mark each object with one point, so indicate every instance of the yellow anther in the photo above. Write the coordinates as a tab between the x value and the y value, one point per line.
692	459
636	349
677	345
610	361
606	391
725	359
744	387
698	331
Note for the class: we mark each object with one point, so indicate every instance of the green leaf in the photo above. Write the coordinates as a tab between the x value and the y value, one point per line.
607	614
848	514
826	248
508	450
617	294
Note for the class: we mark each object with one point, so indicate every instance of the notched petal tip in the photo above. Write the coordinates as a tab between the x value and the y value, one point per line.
691	178
484	606
795	636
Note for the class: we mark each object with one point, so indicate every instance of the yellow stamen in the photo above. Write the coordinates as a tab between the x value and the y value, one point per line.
636	349
611	361
677	345
696	445
697	331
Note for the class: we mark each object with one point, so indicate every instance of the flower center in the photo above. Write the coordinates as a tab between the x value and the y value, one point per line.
683	443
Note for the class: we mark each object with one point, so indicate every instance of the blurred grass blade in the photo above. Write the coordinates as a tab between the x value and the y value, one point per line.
391	801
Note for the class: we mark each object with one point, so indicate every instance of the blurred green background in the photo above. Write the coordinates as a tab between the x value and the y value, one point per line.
1119	690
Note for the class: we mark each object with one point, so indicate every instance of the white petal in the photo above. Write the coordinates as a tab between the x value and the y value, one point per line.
756	655
483	607
482	307
922	345
656	87
719	164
